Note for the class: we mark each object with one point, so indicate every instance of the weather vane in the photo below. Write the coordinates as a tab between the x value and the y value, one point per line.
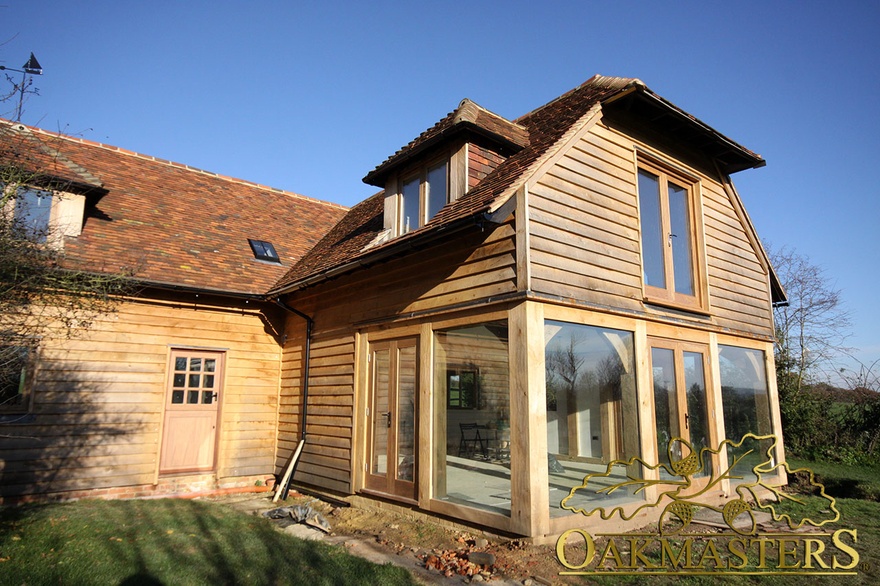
32	67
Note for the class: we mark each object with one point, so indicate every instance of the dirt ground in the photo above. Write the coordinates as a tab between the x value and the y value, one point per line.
434	551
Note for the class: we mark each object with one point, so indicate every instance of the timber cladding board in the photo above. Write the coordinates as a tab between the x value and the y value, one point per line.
472	267
99	399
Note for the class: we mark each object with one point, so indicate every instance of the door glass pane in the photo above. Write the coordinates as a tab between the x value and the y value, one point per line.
179	379
653	239
210	364
665	404
381	415
696	418
194	380
209	381
195	364
207	397
437	191
180	363
177	396
409	215
192	397
406	412
679	221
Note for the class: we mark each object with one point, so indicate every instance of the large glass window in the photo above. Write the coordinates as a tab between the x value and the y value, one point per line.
746	405
667	206
472	416
592	412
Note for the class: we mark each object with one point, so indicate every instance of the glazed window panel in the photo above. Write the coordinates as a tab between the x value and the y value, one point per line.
437	191
423	193
409	213
33	210
472	444
592	413
746	405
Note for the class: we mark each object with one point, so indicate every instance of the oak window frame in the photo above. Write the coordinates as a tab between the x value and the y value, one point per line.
669	294
427	208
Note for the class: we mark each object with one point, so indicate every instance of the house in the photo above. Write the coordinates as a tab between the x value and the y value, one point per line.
522	303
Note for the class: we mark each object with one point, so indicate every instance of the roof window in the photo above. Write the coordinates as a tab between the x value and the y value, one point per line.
264	251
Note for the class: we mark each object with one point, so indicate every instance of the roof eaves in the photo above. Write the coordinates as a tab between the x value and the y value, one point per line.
754	160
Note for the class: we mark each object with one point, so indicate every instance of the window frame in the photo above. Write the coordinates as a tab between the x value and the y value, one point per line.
668	296
421	174
459	369
26	384
20	211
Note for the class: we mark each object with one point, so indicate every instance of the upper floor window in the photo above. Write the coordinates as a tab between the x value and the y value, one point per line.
33	208
668	209
422	195
14	378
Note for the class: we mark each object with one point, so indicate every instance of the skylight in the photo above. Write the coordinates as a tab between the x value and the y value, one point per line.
264	251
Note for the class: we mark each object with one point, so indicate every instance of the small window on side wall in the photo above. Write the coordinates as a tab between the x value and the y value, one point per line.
15	378
264	251
463	388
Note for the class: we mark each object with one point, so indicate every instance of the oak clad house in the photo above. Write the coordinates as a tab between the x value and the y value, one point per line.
523	302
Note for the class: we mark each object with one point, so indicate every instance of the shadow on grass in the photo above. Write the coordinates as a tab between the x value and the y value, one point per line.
168	542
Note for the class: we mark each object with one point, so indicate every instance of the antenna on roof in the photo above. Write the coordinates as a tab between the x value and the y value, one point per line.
32	67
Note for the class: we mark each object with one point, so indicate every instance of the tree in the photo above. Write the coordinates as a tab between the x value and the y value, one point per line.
812	328
41	293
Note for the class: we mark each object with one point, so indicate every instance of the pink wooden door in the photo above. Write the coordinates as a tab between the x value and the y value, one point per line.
192	400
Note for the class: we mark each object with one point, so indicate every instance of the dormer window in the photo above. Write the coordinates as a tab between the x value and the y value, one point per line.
33	210
264	251
422	195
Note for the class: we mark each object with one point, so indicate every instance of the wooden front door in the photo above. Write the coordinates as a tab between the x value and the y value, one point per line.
392	458
681	406
192	398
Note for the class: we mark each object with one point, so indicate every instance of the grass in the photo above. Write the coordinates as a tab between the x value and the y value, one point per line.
844	481
154	542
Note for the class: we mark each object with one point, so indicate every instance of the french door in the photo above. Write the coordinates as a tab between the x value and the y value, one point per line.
192	399
392	416
681	406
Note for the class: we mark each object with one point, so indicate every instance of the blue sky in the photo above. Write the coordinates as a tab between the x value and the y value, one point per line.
309	97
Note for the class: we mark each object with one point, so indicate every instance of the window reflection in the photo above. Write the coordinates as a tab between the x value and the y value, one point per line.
592	411
746	406
472	416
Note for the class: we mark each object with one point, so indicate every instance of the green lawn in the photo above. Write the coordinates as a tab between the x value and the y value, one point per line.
167	541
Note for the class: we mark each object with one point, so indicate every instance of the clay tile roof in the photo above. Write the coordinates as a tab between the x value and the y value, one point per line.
545	126
37	158
179	226
469	116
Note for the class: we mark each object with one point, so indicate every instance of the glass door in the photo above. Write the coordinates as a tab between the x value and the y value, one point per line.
681	407
392	417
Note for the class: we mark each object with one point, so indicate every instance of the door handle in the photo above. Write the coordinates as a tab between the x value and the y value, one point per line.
686	417
388	415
